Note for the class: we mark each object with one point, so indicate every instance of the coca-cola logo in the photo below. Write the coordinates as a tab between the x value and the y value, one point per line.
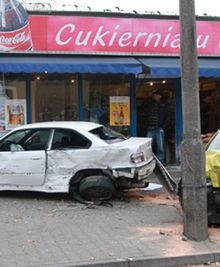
18	38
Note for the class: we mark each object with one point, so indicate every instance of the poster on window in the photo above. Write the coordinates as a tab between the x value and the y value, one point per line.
2	116
15	111
119	110
2	106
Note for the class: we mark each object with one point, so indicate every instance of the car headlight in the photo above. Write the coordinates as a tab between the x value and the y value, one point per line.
137	157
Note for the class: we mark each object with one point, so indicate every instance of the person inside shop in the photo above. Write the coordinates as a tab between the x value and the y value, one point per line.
157	120
205	107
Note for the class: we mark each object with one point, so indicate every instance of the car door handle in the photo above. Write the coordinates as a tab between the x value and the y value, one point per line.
35	158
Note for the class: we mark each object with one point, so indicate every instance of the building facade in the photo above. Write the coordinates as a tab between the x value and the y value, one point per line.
104	67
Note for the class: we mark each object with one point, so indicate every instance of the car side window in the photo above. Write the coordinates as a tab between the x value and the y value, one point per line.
37	140
14	138
69	139
23	140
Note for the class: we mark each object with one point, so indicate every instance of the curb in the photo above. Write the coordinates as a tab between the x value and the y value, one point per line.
199	258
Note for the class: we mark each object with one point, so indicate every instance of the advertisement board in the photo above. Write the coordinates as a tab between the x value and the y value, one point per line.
15	112
119	110
92	34
2	106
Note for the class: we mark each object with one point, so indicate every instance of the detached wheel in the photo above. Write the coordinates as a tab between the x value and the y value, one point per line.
97	188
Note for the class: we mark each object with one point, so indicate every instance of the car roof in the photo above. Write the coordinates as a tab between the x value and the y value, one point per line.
75	125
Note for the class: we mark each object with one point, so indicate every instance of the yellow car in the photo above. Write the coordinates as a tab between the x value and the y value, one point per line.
213	174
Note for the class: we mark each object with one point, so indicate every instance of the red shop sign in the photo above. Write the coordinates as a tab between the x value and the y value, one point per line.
75	34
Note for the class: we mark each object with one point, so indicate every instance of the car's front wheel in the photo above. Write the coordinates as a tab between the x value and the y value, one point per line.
97	188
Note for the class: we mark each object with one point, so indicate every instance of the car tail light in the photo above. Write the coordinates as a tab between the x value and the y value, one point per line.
137	157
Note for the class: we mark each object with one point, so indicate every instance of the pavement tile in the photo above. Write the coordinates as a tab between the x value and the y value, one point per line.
49	230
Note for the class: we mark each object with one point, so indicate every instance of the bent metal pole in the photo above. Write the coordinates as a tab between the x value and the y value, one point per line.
194	194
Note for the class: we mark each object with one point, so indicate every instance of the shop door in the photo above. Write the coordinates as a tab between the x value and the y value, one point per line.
144	95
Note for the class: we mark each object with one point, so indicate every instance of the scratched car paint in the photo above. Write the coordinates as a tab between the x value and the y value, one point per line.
56	156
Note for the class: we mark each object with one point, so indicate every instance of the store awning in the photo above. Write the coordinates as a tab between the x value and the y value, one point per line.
70	65
162	66
170	67
209	67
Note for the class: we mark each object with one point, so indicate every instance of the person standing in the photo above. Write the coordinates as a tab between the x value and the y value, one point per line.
157	120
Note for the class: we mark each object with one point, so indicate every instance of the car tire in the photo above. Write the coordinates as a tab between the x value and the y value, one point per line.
97	188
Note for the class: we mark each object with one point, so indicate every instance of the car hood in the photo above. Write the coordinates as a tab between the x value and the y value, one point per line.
213	166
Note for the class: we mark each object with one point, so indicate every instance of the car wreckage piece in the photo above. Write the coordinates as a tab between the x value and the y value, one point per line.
171	186
213	184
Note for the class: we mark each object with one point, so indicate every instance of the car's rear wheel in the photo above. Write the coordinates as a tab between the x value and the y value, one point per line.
97	188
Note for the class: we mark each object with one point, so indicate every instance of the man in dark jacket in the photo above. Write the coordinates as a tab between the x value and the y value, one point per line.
157	120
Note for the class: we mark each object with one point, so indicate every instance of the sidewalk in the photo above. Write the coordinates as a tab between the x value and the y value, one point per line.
143	229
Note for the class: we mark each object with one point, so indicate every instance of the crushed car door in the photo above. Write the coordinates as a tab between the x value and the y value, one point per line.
23	157
68	149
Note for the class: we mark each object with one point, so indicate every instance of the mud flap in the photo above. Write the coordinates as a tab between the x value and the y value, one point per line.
165	178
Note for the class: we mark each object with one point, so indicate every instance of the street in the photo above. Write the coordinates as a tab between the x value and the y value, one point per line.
52	230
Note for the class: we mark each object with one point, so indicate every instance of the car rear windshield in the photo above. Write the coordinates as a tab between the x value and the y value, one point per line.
108	135
215	143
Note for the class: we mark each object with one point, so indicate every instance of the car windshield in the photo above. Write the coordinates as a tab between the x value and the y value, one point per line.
108	135
4	132
215	143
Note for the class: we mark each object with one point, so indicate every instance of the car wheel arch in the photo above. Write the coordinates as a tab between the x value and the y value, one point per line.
97	188
77	177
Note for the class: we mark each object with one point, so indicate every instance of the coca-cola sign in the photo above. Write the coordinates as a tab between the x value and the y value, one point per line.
79	34
18	40
14	27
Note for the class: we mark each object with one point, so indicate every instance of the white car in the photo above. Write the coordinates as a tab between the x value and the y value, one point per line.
73	156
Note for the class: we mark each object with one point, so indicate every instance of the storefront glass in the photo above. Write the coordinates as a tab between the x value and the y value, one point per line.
209	105
54	98
15	88
13	101
144	90
106	100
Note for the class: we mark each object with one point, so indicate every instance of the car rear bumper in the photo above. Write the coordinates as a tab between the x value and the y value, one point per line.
138	173
144	171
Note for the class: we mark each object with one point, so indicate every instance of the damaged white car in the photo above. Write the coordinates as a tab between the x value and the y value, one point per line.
70	157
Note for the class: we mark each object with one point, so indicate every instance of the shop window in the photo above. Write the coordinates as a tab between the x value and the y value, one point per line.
99	91
54	98
209	103
12	101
